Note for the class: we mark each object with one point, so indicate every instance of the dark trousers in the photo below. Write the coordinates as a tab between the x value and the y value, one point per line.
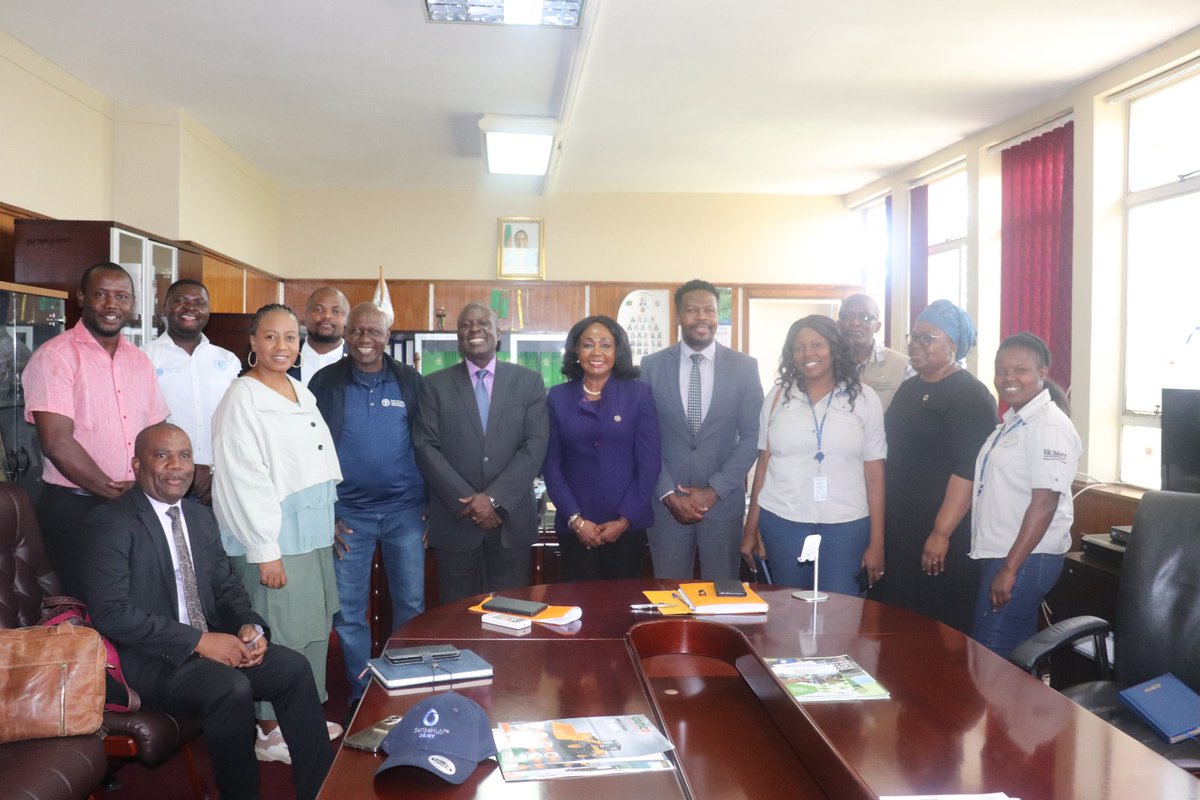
223	698
620	559
492	567
61	514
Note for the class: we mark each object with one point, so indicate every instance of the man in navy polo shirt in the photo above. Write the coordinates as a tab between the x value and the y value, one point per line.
369	401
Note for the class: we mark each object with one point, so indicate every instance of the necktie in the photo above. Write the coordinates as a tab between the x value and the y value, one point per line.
191	596
481	397
693	405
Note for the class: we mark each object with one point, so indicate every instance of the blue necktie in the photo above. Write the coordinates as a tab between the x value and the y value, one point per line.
481	397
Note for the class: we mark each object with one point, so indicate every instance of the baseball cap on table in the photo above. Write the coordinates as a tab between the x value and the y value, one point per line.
447	734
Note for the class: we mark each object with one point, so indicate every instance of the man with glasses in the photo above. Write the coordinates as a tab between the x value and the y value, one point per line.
369	401
881	368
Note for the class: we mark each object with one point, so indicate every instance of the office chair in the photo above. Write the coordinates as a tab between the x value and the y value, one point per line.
1157	629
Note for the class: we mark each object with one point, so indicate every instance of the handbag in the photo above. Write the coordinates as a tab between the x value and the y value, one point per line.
118	695
51	682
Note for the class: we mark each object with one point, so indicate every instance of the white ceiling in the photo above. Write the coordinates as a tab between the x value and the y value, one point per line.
763	96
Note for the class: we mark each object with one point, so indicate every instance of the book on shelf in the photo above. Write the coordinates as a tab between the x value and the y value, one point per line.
826	679
579	747
701	598
467	667
1167	705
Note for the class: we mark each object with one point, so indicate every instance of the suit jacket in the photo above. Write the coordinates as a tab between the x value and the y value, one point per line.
129	585
724	449
458	460
604	458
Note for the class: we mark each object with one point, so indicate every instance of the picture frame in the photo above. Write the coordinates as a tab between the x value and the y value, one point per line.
520	248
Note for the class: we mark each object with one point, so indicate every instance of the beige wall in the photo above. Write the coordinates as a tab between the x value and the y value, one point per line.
56	137
602	237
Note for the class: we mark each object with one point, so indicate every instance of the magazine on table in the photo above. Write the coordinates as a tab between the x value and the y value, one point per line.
826	679
579	747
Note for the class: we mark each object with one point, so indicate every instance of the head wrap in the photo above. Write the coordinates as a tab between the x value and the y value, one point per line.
954	322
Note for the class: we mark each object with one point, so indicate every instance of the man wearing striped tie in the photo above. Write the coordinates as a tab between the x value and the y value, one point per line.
708	399
160	587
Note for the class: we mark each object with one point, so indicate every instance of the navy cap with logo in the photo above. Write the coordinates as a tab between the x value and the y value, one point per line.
447	734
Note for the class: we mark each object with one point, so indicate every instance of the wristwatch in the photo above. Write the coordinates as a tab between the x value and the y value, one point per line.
495	503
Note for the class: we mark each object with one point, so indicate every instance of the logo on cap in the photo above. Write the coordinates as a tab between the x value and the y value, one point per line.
442	765
431	718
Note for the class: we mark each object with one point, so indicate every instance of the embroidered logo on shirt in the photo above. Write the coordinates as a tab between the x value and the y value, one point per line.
385	402
1054	455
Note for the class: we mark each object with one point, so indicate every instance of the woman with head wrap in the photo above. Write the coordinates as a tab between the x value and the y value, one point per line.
935	426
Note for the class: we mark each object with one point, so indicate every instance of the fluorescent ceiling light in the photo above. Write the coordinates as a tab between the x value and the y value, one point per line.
517	145
550	13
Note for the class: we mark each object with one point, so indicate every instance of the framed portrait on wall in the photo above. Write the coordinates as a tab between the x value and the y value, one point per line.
520	249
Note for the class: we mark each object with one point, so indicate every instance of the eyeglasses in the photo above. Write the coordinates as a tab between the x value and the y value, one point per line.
923	340
864	317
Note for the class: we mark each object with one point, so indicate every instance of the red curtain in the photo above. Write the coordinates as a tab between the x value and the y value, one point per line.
1035	243
918	252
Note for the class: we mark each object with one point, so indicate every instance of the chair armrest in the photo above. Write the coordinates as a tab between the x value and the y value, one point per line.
1031	652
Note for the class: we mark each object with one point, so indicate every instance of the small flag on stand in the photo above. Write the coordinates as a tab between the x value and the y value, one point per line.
383	300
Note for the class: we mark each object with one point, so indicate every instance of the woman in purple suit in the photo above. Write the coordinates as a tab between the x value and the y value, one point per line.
604	456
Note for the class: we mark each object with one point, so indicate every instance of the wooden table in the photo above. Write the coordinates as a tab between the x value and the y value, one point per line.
960	719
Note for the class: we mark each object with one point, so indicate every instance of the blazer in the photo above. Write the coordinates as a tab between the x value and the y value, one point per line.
724	449
129	585
329	387
458	460
604	458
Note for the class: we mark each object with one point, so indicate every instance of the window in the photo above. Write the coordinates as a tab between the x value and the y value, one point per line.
948	239
876	248
1162	268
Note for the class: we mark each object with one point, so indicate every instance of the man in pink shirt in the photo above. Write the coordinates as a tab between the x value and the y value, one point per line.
89	392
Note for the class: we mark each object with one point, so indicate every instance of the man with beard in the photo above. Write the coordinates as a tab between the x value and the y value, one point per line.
324	323
193	374
88	391
708	399
881	368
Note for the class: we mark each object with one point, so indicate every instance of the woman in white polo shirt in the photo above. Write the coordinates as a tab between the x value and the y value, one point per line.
821	449
1022	508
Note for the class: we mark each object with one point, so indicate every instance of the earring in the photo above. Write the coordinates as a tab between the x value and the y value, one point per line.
252	359
299	360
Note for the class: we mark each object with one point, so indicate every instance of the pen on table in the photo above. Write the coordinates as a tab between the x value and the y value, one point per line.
649	606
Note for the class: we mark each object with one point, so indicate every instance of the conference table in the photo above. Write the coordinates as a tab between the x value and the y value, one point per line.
959	720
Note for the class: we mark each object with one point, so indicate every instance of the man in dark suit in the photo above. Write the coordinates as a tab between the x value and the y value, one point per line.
160	587
480	440
708	398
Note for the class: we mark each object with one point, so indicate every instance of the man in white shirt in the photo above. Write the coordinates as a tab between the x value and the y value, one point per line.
193	374
324	323
879	367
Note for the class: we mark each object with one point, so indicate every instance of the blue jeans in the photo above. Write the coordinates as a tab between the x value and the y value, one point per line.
842	548
399	533
1014	622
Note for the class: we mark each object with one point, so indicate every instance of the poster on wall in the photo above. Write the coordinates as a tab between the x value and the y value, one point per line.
645	314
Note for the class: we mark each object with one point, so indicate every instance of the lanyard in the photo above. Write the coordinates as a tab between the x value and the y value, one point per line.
820	426
1004	431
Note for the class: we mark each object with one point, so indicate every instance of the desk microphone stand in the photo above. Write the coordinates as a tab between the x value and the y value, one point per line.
812	552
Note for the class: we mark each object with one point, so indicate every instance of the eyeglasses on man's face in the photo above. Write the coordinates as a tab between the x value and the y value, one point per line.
923	340
863	317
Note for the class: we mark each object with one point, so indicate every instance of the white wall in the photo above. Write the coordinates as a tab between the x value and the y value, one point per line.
602	237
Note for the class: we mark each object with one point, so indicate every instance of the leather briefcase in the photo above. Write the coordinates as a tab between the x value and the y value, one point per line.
51	682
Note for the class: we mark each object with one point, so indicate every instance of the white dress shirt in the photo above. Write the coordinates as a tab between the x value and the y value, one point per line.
193	386
312	362
707	374
160	511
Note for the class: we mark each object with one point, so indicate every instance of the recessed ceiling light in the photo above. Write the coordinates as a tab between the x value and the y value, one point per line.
517	145
550	13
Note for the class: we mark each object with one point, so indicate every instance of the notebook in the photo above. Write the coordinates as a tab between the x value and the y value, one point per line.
466	667
1167	705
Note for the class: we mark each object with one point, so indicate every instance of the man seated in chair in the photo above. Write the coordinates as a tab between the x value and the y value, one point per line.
160	587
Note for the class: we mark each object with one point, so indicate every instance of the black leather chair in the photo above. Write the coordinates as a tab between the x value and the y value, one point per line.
151	737
40	769
1157	629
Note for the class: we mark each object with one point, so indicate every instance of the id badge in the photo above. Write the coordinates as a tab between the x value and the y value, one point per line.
820	488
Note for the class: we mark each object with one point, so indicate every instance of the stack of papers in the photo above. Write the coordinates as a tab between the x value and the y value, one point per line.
826	680
580	747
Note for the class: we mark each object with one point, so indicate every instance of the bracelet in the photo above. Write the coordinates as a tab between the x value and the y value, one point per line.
571	522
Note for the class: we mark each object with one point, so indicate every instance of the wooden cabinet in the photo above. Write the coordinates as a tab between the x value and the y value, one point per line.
55	253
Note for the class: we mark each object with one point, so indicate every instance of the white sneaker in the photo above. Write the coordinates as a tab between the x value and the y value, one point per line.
271	746
335	730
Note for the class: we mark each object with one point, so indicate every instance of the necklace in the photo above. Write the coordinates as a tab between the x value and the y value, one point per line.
590	393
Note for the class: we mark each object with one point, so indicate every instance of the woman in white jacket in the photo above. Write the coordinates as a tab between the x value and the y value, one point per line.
274	476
